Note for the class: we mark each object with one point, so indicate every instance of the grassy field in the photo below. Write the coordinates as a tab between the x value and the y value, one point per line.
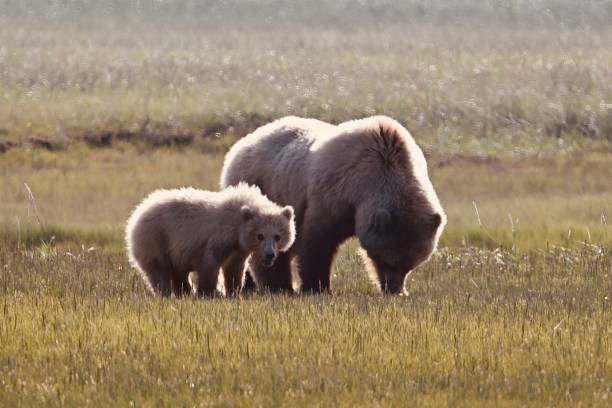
479	328
102	102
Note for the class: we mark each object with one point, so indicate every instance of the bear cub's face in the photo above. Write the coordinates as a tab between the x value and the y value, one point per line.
264	236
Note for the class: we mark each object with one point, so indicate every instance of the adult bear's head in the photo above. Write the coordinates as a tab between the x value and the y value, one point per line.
395	242
399	218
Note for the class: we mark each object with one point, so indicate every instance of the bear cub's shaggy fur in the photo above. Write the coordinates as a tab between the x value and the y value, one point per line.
174	232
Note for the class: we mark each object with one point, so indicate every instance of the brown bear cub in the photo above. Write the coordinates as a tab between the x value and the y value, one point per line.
174	232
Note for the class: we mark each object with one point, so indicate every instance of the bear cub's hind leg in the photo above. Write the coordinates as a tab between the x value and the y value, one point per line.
276	278
159	274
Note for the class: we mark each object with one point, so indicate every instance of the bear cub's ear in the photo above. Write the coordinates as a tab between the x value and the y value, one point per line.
247	213
288	212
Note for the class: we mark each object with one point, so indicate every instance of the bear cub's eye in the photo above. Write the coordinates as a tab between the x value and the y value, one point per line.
260	237
277	238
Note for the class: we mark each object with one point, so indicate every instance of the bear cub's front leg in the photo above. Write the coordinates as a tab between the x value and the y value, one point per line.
208	274
233	273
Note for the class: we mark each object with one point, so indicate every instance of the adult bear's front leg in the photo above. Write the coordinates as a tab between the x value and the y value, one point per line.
181	286
316	251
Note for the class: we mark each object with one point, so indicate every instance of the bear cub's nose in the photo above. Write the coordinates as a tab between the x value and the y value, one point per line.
269	256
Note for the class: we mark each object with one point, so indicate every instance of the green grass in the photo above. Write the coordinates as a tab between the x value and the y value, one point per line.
85	195
102	102
479	328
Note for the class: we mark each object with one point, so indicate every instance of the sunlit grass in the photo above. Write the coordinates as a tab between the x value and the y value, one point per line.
485	327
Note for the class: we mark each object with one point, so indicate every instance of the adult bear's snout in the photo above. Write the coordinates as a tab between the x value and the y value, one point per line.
393	285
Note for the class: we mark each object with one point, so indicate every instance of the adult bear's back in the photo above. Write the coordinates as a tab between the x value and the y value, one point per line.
276	157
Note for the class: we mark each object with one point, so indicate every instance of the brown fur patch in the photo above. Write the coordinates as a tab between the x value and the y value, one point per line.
174	232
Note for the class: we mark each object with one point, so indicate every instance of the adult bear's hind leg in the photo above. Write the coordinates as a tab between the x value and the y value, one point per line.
276	278
315	258
181	286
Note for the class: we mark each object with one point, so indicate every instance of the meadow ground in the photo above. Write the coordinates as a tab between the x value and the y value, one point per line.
511	102
500	315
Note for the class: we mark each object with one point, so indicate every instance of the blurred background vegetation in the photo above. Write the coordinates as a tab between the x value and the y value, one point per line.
173	72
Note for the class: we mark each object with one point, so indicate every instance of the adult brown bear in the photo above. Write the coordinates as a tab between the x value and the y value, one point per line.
365	177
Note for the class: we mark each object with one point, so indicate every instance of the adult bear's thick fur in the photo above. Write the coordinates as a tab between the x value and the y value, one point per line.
365	177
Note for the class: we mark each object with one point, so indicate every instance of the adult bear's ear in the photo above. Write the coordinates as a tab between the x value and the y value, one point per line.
381	220
247	213
288	212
